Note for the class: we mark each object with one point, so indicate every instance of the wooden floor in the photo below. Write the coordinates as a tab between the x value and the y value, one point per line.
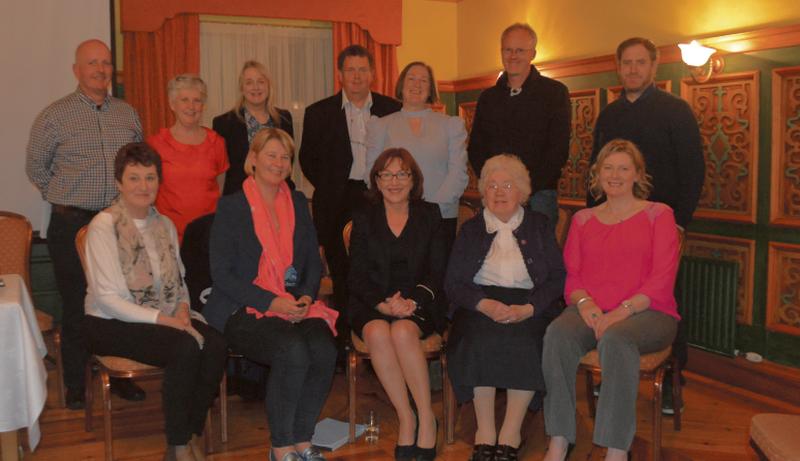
715	427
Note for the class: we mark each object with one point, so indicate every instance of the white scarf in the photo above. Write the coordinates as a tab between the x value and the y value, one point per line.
503	265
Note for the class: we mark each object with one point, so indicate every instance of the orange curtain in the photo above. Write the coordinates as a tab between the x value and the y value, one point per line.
151	59
348	33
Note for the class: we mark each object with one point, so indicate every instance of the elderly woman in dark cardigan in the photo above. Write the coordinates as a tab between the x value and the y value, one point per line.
266	270
505	281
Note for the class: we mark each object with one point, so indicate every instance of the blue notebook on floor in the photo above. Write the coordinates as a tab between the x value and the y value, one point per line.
332	434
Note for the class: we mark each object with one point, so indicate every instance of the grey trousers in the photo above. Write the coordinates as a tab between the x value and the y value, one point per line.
567	339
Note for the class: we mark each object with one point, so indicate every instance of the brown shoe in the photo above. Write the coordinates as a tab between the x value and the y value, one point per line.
198	446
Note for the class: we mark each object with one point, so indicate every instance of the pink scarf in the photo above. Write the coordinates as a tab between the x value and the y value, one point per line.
278	250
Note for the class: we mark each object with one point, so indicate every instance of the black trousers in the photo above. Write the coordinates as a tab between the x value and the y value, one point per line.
191	375
301	357
64	225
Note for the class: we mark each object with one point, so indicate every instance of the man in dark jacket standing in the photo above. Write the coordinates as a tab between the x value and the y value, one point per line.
333	157
525	114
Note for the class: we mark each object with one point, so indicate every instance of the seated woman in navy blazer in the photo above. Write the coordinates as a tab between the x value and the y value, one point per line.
397	263
266	270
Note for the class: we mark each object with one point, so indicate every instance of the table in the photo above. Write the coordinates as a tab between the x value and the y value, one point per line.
23	378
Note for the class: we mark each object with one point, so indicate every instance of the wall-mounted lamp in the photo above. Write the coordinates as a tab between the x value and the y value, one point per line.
699	59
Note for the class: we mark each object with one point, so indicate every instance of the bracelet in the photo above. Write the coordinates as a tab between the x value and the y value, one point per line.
629	305
582	300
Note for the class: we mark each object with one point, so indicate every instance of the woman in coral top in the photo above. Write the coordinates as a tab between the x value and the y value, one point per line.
193	156
621	258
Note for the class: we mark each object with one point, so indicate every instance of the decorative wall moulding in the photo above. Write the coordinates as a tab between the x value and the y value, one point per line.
783	284
726	109
785	187
739	250
572	184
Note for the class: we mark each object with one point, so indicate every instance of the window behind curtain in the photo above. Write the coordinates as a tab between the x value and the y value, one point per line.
299	61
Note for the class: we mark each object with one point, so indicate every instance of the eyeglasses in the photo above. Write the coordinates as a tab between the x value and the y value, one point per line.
513	51
401	176
494	187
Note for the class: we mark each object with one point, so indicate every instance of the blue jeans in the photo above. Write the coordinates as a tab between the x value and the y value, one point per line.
546	202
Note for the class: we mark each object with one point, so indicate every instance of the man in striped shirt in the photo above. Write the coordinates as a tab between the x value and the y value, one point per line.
70	159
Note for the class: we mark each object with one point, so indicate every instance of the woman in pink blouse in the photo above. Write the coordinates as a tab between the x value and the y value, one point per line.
621	258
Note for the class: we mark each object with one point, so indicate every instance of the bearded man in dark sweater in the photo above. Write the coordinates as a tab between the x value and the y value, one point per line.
666	131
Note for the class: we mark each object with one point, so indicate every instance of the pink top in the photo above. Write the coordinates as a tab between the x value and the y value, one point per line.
189	188
613	262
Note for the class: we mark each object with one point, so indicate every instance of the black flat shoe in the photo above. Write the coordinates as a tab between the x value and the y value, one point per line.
405	452
483	452
126	389
506	453
75	398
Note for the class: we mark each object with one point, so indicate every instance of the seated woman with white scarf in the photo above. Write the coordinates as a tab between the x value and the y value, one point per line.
137	304
505	280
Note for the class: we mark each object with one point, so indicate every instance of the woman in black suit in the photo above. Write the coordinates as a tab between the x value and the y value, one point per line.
254	110
397	264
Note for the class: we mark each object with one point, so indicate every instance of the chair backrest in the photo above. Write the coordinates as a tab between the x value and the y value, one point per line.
466	211
15	245
80	246
562	226
348	229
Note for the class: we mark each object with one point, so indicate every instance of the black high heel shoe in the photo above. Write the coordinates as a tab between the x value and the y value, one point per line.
483	452
405	452
506	453
429	454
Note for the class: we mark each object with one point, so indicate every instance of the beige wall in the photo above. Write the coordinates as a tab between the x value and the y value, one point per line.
430	32
571	29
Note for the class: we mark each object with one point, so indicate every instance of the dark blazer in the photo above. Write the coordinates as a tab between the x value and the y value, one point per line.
234	130
370	265
539	251
326	157
235	252
534	125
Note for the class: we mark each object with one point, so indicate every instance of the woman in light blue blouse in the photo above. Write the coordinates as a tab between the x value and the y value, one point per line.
437	141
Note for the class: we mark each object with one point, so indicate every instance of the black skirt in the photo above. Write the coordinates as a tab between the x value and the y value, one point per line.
482	352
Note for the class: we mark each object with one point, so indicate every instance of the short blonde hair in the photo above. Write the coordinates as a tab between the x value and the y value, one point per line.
641	188
184	82
260	140
512	165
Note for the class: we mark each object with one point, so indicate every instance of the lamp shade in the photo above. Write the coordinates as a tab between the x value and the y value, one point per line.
695	54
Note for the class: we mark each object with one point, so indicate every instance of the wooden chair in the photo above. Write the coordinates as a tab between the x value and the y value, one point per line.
15	258
774	436
651	368
119	367
434	347
562	226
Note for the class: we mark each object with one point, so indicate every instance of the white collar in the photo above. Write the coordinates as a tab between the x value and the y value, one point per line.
346	101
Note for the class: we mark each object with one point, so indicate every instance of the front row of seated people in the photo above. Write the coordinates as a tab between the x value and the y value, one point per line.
502	288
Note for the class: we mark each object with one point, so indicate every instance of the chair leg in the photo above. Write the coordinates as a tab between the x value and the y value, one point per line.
107	434
208	440
590	393
447	402
677	394
88	398
223	407
59	367
657	388
352	361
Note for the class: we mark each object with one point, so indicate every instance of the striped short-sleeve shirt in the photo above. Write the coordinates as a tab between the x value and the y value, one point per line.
73	142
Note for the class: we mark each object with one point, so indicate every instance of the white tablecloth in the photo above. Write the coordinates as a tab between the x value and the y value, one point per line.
23	378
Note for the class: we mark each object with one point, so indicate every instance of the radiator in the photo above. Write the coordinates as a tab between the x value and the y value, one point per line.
706	292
